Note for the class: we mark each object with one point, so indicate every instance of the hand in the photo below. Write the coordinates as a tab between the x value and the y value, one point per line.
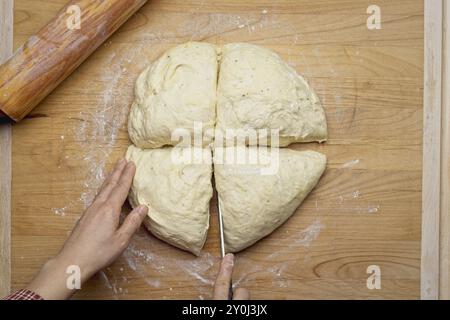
97	239
223	281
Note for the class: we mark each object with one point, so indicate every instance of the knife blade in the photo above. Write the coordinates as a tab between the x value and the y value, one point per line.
221	232
222	242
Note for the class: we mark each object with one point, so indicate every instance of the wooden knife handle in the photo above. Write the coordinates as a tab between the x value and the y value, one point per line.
51	55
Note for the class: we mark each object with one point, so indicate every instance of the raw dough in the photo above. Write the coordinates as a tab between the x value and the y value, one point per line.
252	204
255	90
258	90
177	194
174	92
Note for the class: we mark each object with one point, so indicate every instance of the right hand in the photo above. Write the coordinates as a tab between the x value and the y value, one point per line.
223	280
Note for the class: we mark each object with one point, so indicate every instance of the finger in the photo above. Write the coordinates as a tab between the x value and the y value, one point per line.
112	177
222	285
132	222
111	180
241	294
120	191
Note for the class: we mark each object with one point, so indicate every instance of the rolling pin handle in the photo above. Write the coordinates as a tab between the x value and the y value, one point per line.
4	118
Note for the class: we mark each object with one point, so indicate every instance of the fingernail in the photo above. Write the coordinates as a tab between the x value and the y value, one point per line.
121	161
142	209
130	164
229	258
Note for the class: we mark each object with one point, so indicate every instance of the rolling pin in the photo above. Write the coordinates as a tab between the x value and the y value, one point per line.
51	55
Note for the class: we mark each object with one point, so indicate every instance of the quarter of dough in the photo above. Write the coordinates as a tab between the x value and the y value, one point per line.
177	194
174	92
258	90
254	204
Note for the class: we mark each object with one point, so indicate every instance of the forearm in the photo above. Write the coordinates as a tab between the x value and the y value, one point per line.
51	281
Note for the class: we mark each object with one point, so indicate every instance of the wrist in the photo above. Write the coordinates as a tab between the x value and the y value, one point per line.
51	281
75	264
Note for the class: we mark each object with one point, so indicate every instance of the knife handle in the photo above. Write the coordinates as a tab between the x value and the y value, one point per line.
230	291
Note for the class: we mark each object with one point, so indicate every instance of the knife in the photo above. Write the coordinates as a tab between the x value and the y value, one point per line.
222	243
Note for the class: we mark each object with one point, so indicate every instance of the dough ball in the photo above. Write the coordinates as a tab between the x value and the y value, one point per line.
174	92
177	192
253	202
258	90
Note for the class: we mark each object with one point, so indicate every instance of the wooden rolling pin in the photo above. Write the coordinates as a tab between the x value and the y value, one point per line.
49	56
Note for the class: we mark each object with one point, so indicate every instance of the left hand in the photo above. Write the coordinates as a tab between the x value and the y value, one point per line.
97	239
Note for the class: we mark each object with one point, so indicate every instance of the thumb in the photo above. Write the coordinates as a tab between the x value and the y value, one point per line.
241	294
133	221
223	281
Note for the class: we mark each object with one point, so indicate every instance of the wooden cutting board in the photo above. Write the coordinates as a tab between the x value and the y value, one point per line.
365	211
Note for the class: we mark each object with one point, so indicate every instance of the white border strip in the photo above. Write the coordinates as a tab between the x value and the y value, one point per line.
431	179
6	47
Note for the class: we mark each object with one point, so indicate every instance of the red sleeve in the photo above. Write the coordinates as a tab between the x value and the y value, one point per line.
23	294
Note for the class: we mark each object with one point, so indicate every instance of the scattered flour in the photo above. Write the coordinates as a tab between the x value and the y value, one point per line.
373	208
96	132
59	211
350	163
144	257
248	270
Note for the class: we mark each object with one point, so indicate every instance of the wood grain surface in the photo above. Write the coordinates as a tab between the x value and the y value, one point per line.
6	41
366	210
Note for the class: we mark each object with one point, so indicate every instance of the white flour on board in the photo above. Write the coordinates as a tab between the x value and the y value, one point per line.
152	265
361	206
350	163
103	128
96	132
142	254
249	270
355	194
